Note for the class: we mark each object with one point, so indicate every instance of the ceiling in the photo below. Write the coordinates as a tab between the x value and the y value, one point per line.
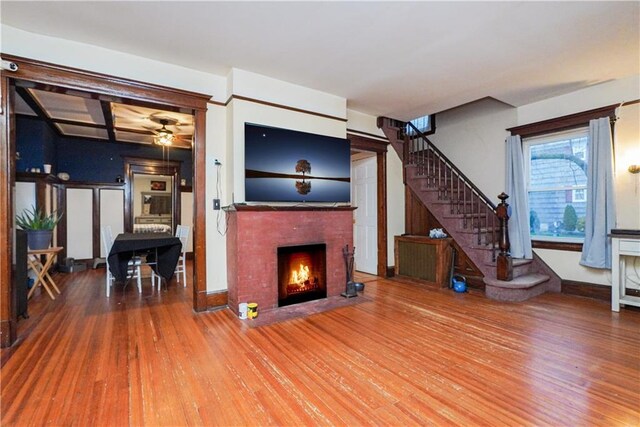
83	115
399	59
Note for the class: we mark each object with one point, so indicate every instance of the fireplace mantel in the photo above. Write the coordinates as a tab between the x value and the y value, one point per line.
241	207
255	232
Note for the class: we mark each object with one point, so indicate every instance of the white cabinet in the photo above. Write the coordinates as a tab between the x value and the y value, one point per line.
623	246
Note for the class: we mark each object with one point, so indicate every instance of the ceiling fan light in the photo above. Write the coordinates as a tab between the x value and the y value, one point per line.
164	136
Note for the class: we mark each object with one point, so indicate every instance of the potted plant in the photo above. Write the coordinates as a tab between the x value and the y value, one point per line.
39	227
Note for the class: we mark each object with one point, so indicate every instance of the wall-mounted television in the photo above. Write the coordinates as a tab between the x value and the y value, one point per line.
283	165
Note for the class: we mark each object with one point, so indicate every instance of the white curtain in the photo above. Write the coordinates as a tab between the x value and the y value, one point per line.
601	214
519	233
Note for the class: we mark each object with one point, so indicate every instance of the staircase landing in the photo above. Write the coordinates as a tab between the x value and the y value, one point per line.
520	288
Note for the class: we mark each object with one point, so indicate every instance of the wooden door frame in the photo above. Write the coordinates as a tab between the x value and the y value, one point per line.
133	165
112	88
378	146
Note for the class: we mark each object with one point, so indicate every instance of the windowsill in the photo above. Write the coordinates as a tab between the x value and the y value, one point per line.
558	246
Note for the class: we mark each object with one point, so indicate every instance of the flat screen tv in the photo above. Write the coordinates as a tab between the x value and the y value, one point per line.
289	166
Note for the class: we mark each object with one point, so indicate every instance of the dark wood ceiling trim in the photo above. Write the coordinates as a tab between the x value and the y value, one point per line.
138	131
559	124
360	142
37	108
371	135
108	119
284	107
30	69
102	97
81	124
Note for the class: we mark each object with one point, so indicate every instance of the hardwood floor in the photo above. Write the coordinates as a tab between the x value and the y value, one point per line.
408	356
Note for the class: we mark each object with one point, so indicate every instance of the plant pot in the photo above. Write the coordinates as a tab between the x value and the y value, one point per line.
39	239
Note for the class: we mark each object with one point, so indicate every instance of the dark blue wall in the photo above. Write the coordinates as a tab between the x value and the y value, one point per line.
35	141
85	160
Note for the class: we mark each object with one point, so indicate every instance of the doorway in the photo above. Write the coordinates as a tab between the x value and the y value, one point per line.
376	147
106	88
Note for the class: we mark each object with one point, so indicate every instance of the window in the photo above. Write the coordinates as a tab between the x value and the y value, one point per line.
556	172
425	124
579	195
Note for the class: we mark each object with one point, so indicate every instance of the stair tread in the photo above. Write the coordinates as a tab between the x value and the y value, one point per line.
517	262
522	282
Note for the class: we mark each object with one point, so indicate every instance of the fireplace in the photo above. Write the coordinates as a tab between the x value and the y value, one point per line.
256	233
302	274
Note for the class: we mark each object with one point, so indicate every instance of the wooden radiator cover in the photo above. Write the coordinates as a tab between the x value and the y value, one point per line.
422	258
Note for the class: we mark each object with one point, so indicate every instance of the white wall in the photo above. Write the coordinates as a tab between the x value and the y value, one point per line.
473	136
88	57
627	136
395	202
217	148
361	122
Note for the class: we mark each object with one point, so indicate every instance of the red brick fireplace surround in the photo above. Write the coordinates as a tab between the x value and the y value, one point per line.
254	235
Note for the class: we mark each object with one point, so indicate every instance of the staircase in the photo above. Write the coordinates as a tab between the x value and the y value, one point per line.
468	215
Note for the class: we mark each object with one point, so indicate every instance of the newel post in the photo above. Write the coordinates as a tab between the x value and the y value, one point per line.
504	262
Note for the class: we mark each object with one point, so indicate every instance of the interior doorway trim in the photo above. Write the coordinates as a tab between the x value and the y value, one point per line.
379	147
115	88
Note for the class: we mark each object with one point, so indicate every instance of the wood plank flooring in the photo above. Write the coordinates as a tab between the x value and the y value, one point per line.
409	356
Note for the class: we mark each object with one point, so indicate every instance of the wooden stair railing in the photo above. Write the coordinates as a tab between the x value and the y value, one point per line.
477	210
478	227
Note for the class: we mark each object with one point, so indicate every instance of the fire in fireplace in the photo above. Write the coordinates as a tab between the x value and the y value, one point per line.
301	274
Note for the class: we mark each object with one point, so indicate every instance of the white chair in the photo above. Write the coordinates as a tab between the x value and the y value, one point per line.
182	233
133	268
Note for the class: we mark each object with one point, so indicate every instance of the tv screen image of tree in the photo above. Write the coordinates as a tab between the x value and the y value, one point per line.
289	166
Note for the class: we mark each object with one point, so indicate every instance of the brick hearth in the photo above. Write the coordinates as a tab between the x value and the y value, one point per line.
256	232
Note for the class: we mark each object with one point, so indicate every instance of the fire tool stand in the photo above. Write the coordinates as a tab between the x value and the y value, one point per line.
350	290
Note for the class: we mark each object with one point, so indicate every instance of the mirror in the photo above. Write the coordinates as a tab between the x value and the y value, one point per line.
156	204
152	199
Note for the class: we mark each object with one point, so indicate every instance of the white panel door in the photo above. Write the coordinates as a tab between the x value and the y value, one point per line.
111	213
79	215
365	229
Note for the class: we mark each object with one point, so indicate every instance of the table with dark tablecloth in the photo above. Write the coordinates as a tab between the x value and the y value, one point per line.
165	247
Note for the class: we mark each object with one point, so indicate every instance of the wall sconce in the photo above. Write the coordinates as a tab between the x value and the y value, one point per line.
634	168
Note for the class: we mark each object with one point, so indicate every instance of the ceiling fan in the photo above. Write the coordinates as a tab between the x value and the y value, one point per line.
163	135
166	137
